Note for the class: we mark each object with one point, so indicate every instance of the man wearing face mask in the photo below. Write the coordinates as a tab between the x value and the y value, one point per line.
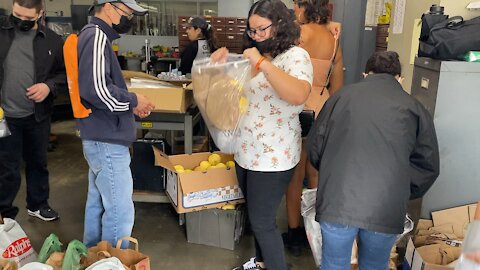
31	70
109	130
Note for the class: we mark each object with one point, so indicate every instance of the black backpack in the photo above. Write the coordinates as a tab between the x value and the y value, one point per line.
451	39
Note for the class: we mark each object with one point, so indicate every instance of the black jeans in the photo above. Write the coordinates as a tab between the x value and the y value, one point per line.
263	193
29	140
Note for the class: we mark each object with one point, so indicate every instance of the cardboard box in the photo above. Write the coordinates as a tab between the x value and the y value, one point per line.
474	212
216	227
429	257
198	190
166	97
458	217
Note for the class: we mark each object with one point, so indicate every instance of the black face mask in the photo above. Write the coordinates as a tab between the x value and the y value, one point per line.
123	26
264	46
22	25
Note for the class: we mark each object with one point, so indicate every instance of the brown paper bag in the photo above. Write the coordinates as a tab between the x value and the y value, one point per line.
132	258
56	260
8	265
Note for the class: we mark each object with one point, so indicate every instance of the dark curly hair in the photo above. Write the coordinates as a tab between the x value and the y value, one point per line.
316	11
384	62
286	31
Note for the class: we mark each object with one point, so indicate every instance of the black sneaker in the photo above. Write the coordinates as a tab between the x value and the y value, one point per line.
45	214
250	265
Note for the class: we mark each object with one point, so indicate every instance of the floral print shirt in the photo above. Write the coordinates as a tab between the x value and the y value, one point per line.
269	135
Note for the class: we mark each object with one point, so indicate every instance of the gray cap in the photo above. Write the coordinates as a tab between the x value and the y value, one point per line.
132	4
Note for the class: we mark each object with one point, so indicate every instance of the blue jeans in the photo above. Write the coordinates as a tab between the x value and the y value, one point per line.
109	212
373	248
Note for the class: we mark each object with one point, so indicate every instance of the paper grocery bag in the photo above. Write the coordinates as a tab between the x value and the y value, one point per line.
14	244
132	258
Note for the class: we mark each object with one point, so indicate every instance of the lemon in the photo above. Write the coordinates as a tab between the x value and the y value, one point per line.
188	171
198	169
228	206
180	171
205	165
213	167
221	165
230	164
179	168
243	105
214	159
1	113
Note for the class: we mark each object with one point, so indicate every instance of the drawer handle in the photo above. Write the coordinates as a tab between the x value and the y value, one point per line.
230	37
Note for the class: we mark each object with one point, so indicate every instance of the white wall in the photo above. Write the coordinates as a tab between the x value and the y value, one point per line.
234	8
457	8
135	43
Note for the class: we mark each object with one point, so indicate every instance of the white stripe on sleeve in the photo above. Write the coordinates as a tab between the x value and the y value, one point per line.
99	75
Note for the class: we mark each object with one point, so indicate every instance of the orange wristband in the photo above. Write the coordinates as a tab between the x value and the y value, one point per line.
257	65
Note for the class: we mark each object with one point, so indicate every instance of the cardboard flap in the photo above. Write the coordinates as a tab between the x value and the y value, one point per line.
162	160
128	74
458	217
474	211
210	179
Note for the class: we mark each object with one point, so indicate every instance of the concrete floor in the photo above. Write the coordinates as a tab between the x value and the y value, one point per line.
156	225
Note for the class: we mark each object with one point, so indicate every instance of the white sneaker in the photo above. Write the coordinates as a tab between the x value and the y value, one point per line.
250	265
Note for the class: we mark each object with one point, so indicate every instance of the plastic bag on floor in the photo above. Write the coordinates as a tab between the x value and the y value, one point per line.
107	264
4	131
75	251
14	244
50	245
313	230
219	92
312	227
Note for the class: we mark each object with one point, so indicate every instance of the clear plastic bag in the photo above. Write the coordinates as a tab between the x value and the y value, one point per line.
4	131
470	258
219	92
312	227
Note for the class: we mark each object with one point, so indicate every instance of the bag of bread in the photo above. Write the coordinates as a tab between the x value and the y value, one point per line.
219	92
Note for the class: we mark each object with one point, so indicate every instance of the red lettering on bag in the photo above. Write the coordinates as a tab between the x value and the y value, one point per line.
17	248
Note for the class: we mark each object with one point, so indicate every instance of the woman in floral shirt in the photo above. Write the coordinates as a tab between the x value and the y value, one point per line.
270	133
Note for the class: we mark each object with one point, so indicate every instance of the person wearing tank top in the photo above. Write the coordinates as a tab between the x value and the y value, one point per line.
319	38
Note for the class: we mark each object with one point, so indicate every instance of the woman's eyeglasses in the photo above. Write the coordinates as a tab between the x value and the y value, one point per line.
261	32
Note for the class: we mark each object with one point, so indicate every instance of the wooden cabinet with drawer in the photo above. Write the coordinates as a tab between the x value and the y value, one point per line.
228	30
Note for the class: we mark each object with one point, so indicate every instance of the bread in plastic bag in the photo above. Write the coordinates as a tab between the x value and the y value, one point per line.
219	92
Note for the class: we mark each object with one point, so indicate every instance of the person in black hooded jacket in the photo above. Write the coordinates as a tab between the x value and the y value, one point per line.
375	148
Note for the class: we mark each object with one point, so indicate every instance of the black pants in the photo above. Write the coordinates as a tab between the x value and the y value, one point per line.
263	193
29	140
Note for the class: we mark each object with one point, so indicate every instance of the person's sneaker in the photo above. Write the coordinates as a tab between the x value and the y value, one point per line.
45	214
250	265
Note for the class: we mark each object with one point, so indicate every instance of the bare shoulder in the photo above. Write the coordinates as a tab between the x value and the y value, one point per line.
318	41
